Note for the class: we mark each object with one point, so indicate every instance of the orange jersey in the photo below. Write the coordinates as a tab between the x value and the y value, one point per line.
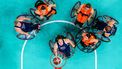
84	14
89	41
39	8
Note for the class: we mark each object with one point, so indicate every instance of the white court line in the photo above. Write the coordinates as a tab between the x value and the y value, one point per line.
22	52
50	22
95	52
62	21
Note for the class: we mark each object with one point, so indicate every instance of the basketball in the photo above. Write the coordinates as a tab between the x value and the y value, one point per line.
57	61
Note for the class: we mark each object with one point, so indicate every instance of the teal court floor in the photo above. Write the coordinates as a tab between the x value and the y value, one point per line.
37	52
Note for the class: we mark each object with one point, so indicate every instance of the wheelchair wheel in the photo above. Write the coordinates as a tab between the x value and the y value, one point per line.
84	48
90	48
72	51
24	37
69	36
103	38
87	49
25	15
97	45
91	22
61	61
32	11
49	1
110	18
114	30
99	35
75	9
51	44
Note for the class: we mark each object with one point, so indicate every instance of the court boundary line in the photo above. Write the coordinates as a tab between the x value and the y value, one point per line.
96	61
22	51
46	23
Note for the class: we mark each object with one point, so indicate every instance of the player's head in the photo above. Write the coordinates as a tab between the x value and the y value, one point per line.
107	28
59	39
43	8
88	5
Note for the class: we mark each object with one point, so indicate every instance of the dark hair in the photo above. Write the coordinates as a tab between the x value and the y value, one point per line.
59	37
88	35
108	28
38	3
43	8
88	5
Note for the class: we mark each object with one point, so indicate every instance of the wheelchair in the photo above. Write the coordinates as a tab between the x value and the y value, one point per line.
75	9
100	33
61	55
32	10
81	46
33	33
67	35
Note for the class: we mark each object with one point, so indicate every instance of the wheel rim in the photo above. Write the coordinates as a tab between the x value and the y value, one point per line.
49	1
92	19
109	18
32	11
51	44
24	37
103	38
75	9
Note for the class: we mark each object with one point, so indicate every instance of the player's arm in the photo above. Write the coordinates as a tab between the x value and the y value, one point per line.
80	8
70	42
92	12
55	49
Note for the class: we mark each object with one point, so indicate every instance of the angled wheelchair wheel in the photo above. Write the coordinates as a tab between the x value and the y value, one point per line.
100	18
82	47
86	29
70	36
25	37
75	9
94	30
97	20
91	22
97	32
110	18
57	61
90	48
25	15
32	11
87	49
97	45
114	30
32	35
103	38
51	44
72	51
49	1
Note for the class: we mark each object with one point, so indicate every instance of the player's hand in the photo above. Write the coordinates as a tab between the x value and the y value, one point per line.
28	35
